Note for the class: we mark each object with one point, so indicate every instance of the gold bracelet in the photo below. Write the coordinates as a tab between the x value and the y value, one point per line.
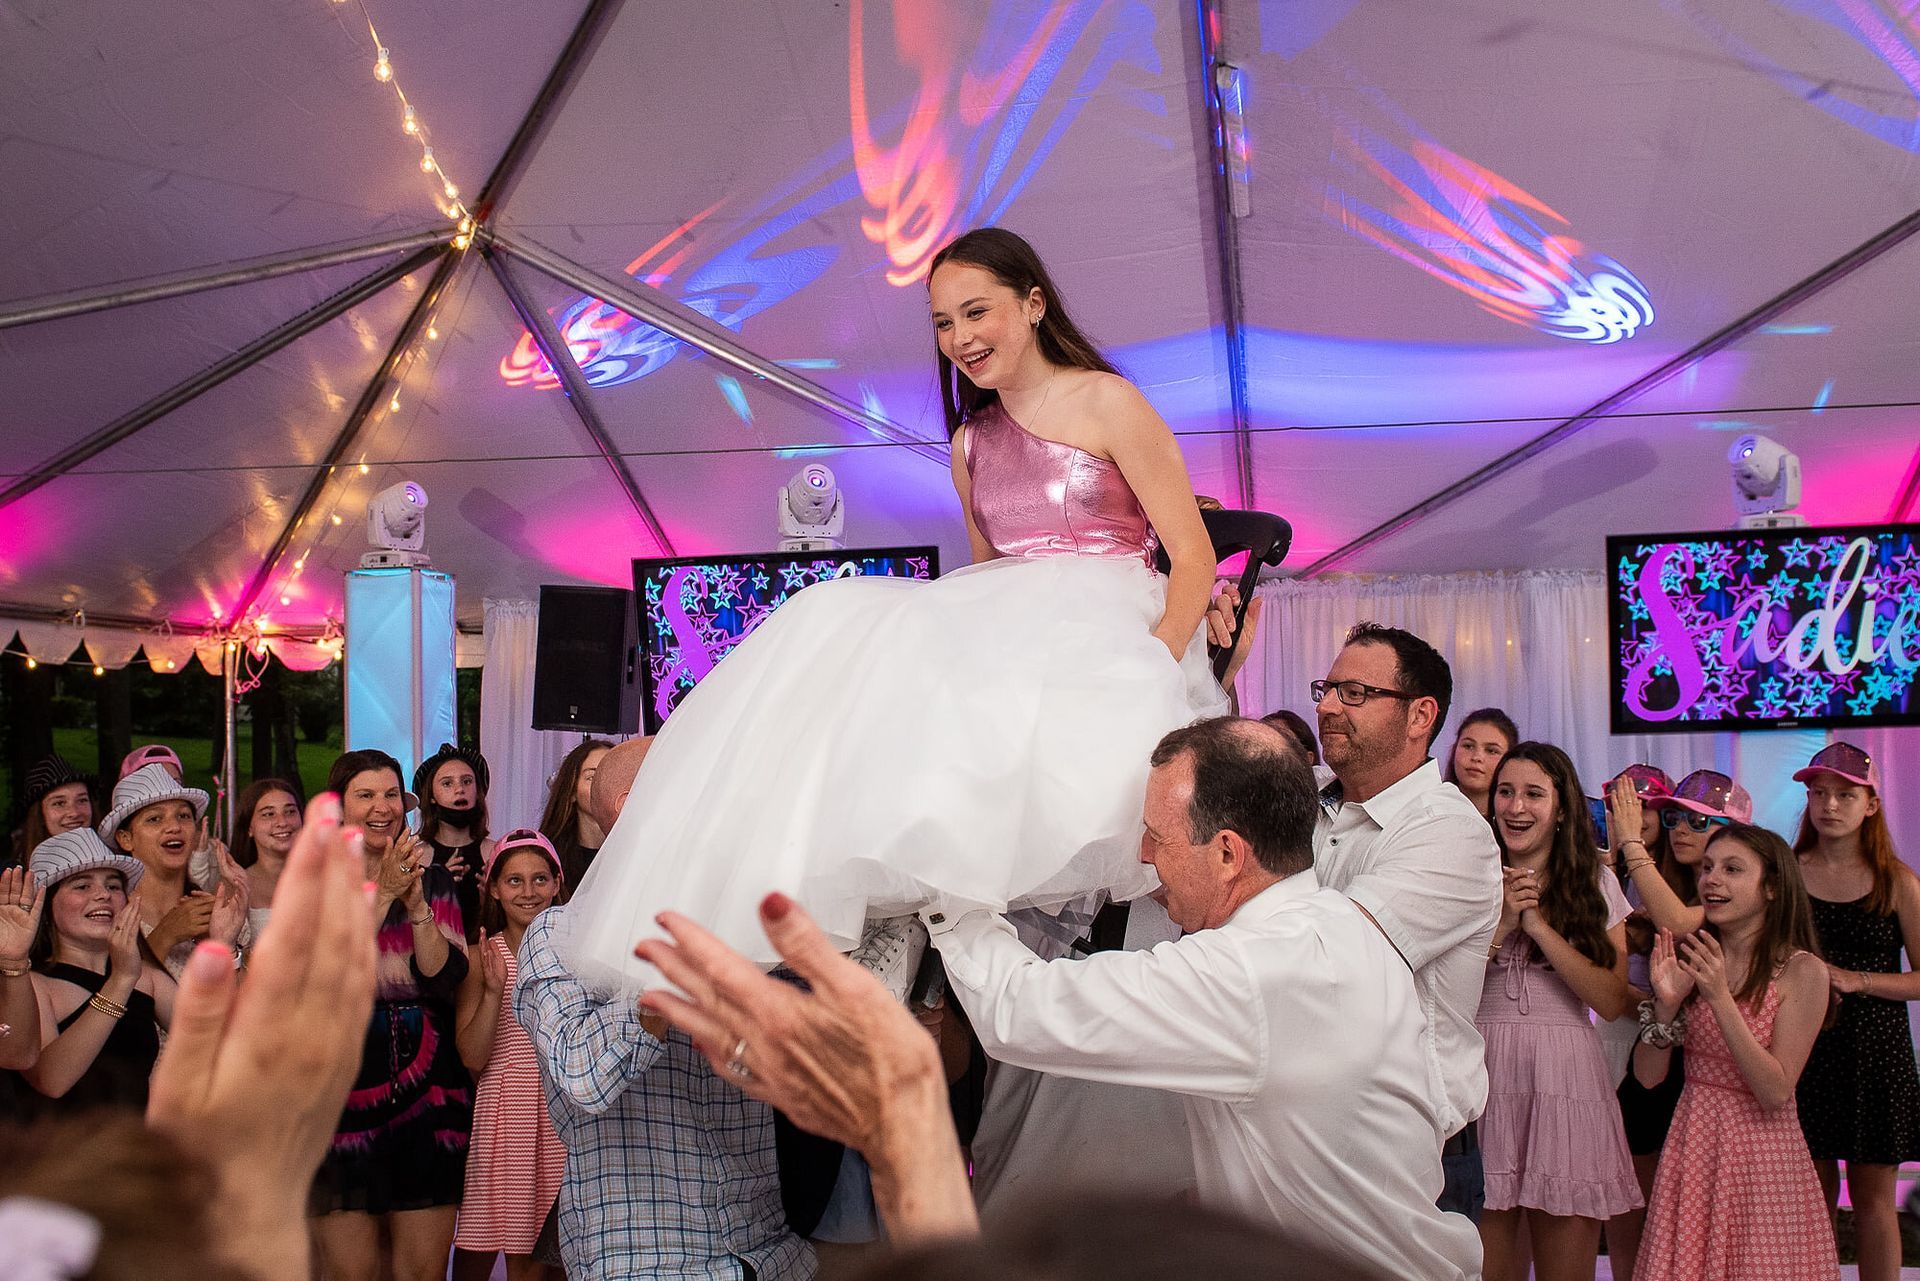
112	1009
1634	865
9	972
421	920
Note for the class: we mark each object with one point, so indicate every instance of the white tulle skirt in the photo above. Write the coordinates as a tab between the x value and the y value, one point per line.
880	743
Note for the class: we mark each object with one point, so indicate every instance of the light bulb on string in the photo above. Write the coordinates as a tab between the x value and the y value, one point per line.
99	670
393	406
466	224
433	334
364	469
32	662
335	518
382	67
462	241
426	160
453	192
410	124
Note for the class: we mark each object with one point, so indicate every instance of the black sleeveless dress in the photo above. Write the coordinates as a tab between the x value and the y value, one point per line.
120	1072
1860	1093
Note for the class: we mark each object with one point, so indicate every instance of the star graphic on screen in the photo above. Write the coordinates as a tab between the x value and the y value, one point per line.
653	591
1628	571
1906	563
1637	611
794	576
1799	552
1756	559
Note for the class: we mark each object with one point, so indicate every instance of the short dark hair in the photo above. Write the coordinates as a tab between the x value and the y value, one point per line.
365	760
1420	670
1296	724
1246	780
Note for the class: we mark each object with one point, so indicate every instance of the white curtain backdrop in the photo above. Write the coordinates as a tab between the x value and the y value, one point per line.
524	760
1535	644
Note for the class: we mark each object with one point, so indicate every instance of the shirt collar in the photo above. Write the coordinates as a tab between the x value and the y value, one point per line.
1300	885
1385	805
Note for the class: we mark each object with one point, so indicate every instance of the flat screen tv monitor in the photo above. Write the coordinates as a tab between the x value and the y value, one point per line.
694	610
1765	629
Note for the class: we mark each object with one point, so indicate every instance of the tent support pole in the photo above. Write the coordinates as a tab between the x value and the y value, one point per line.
370	397
574	59
81	302
207	379
1854	259
1212	17
655	309
574	383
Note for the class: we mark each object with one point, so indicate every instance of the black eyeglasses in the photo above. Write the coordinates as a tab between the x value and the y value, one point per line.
1354	693
1672	817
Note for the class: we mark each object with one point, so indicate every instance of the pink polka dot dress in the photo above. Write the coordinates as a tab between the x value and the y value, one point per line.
1736	1198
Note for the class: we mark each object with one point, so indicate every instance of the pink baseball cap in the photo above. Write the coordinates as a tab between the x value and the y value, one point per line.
1846	761
1709	792
151	754
522	838
1650	781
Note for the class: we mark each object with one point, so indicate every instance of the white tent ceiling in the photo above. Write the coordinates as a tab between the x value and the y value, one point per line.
774	174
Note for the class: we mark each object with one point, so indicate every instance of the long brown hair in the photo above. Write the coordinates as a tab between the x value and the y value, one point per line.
245	852
1571	900
560	823
1876	842
1787	925
1011	261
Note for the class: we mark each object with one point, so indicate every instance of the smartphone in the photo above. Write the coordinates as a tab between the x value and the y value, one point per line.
1598	808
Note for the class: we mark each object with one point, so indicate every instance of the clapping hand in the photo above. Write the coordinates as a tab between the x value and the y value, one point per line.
253	1077
20	905
229	913
190	918
1672	984
493	965
401	868
1706	965
123	946
1520	895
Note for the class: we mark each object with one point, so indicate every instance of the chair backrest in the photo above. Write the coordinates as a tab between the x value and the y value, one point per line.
1264	537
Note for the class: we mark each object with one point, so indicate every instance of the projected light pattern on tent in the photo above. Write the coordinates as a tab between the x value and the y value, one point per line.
981	125
1815	626
1499	244
1888	30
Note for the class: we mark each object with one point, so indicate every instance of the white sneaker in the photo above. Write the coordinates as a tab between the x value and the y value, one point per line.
891	948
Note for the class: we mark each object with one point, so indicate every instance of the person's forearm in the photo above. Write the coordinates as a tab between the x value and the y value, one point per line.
592	1051
1656	896
263	1233
1189	589
20	1013
1904	986
1650	1066
478	1027
65	1059
1761	1071
919	1176
430	946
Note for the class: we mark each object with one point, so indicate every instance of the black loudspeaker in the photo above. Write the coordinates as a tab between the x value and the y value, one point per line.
584	674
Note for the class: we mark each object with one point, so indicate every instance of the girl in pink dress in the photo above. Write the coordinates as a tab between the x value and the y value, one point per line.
1551	1141
515	1160
1737	1198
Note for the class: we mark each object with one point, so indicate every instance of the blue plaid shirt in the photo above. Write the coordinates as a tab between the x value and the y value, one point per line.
670	1170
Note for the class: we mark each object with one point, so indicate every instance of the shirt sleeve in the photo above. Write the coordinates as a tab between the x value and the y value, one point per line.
591	1048
1185	1016
1433	885
1618	909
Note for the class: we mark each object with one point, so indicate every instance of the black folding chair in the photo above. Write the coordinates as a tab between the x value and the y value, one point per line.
1265	538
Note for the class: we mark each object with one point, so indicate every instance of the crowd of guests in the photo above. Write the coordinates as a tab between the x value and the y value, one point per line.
1423	1016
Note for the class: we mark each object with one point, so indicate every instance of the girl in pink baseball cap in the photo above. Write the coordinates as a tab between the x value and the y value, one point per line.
1860	1093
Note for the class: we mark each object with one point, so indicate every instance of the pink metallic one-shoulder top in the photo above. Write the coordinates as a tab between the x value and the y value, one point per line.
1035	497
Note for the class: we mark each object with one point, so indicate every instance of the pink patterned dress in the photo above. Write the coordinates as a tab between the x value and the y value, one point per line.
515	1162
1736	1198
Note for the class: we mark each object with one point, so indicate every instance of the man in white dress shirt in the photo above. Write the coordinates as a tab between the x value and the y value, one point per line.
1284	1018
1417	857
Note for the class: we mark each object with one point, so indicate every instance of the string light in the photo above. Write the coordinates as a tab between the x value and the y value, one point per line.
426	161
32	662
335	518
382	68
393	406
364	469
411	124
99	670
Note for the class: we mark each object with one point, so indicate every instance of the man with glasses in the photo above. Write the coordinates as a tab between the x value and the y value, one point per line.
1417	858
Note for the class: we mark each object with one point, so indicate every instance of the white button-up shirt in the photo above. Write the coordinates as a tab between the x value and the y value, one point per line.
1423	863
1292	1033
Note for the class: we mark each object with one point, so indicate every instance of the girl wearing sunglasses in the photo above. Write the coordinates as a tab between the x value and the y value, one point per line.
1860	1094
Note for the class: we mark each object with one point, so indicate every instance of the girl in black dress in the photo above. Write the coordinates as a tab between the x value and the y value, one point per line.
101	1006
1860	1094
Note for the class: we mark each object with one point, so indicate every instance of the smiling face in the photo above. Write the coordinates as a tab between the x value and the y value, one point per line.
1838	808
161	836
66	807
1476	754
85	904
374	801
524	886
1357	739
276	821
984	327
1733	887
1526	809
